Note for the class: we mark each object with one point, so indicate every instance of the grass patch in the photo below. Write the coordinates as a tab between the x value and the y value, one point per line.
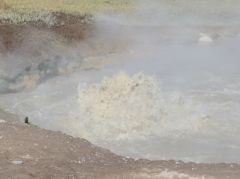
23	11
23	18
70	6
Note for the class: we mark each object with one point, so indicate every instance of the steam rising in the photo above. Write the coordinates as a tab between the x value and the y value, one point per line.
141	84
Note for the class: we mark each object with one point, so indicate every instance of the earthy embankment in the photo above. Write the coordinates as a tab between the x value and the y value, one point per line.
27	151
65	27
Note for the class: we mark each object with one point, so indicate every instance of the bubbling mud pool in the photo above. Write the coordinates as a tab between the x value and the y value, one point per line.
135	115
150	89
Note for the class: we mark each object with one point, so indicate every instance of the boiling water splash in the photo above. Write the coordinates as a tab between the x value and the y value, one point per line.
121	106
134	107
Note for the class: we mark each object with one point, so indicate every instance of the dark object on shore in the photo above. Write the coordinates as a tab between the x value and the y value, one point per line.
26	121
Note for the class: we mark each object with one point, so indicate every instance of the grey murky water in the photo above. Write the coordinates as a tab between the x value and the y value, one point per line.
169	87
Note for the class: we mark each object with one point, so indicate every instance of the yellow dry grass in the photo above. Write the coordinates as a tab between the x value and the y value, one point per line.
20	11
68	6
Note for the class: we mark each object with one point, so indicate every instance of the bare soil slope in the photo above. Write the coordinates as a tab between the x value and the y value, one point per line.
66	27
27	151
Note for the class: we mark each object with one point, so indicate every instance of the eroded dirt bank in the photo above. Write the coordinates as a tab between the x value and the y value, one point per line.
66	27
27	151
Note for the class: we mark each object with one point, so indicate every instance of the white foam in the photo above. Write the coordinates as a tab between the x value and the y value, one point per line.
134	107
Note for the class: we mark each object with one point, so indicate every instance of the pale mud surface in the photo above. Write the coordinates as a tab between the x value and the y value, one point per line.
27	151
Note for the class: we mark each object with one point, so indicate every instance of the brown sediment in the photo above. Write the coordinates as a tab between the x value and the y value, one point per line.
27	151
72	27
10	36
68	27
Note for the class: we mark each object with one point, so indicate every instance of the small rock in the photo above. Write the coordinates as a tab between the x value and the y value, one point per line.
17	162
26	156
2	121
204	38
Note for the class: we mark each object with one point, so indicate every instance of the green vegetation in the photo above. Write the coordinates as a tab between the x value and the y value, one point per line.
20	11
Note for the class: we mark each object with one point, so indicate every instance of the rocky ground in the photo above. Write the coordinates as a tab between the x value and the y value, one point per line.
27	151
